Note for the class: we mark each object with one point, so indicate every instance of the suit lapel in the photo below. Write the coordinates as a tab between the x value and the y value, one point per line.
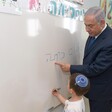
96	43
87	45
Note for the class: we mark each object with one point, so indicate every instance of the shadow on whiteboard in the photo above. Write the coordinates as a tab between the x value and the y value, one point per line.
67	23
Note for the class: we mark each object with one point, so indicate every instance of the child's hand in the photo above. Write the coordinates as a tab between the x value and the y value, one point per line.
55	92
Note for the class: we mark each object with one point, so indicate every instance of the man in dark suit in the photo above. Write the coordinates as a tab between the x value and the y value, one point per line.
97	61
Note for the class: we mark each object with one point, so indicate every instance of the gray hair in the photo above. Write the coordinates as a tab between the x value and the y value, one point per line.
97	12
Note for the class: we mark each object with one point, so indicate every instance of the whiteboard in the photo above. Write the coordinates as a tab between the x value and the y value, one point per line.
29	46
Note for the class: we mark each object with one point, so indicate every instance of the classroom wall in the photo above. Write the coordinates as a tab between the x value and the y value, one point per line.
29	46
90	3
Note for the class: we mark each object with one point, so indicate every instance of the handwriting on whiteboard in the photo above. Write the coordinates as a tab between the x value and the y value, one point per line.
59	55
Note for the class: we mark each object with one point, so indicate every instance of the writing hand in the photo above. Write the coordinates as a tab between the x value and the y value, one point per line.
64	67
55	92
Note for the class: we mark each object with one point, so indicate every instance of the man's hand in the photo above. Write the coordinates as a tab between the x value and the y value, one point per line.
64	67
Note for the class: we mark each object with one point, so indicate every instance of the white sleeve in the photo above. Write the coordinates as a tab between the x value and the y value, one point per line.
66	104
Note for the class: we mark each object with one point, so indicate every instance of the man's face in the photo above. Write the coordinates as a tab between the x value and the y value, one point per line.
92	26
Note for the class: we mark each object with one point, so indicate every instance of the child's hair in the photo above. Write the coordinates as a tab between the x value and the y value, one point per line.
79	83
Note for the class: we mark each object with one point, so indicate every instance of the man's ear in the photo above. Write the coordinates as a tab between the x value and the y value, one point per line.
102	23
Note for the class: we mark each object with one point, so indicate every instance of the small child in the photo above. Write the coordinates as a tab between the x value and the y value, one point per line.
78	85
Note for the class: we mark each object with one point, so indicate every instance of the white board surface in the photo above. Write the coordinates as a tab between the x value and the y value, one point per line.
29	46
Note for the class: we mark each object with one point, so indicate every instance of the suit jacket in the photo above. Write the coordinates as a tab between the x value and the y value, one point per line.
97	66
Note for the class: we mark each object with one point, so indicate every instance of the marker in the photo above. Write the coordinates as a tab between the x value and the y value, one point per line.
57	89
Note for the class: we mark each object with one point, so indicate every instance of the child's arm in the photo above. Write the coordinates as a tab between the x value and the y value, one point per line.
59	96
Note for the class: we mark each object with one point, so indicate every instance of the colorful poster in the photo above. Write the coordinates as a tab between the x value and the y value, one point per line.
60	8
106	5
76	1
33	4
10	6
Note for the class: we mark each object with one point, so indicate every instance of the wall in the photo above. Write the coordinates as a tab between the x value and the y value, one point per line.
29	46
90	3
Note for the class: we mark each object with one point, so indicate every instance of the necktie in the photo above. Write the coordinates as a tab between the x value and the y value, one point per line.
92	40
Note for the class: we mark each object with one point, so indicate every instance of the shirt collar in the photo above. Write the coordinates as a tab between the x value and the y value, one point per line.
102	30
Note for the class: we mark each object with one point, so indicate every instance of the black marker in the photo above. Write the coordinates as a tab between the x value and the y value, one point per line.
57	89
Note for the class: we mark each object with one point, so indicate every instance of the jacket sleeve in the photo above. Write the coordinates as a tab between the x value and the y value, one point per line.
102	62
